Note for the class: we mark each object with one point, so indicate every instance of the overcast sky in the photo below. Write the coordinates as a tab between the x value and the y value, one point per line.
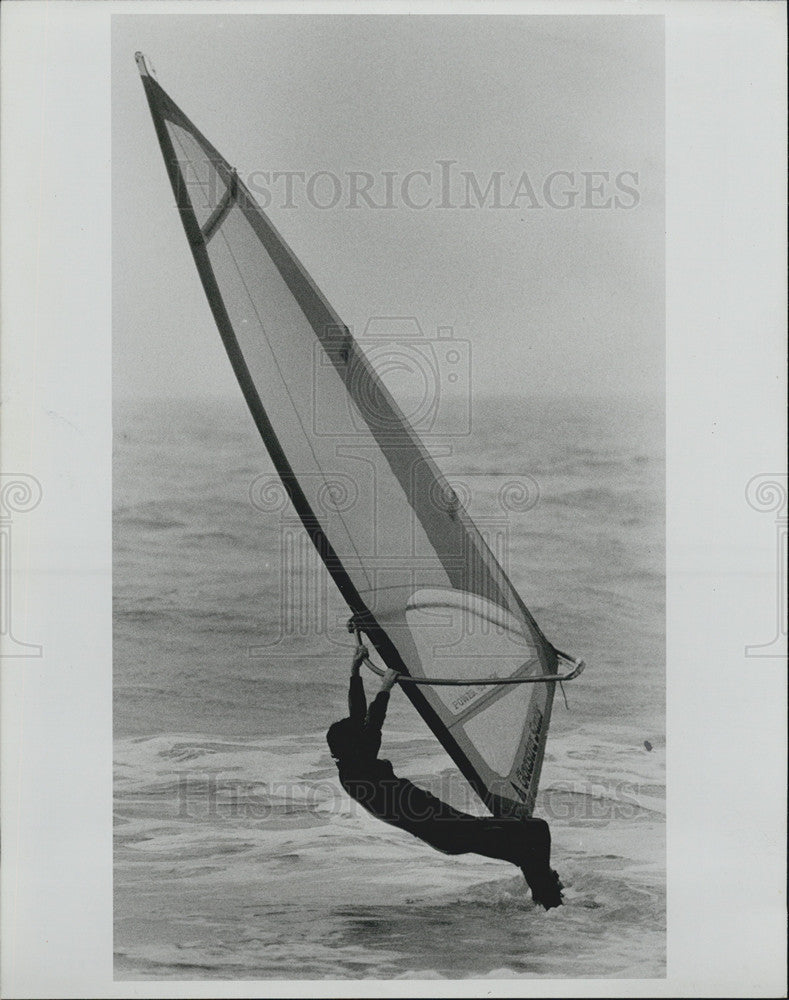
550	298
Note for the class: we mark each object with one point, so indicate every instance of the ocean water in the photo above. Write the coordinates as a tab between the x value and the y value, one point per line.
237	856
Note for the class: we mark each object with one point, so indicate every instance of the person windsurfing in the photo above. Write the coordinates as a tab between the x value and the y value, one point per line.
354	743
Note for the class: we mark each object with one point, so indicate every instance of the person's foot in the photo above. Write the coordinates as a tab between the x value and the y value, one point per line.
546	888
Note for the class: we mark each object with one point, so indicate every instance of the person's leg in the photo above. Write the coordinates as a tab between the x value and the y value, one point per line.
518	841
508	838
525	843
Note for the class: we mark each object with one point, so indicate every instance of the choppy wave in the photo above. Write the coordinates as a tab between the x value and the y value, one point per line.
251	862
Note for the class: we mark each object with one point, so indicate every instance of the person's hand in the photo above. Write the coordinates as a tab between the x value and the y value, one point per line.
360	655
390	679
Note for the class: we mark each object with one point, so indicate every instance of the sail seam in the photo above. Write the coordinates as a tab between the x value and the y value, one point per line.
219	214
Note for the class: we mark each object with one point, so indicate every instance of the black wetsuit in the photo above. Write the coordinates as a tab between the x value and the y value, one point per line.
356	741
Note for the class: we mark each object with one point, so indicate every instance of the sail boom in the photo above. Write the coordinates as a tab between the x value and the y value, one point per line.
490	681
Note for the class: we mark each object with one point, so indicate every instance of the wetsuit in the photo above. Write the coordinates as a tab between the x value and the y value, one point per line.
355	743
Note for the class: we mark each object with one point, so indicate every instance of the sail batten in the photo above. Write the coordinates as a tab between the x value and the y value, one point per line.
403	551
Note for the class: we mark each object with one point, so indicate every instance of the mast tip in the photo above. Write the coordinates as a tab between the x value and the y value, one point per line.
142	66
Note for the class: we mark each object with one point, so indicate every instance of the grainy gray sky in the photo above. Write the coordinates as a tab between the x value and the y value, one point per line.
551	299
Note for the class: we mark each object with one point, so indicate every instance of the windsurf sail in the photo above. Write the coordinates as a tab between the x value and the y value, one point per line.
416	573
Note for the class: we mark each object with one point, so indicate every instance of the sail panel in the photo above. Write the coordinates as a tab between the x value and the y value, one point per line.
202	182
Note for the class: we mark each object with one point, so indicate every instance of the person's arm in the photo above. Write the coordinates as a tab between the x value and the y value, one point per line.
377	713
357	701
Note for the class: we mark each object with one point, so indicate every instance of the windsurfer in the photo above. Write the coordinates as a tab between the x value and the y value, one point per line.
355	742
